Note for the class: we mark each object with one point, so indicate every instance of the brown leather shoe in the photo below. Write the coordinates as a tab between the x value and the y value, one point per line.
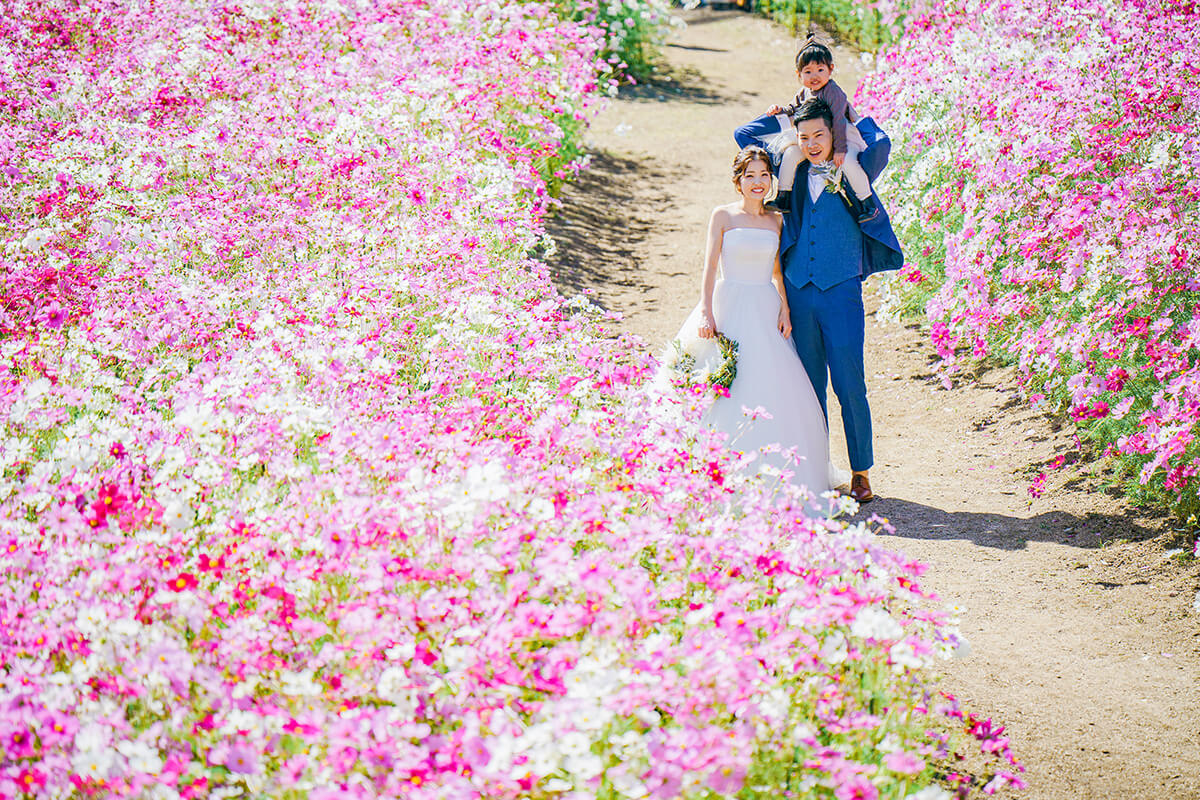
860	489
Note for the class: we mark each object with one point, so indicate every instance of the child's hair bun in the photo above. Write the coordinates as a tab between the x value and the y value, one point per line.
814	51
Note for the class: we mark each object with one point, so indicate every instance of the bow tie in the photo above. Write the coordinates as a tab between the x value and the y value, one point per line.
824	170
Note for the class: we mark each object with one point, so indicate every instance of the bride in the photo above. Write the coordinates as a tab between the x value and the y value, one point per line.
771	408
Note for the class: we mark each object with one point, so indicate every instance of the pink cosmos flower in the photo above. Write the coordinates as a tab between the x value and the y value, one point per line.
727	779
54	316
182	582
241	759
904	762
196	789
30	779
856	787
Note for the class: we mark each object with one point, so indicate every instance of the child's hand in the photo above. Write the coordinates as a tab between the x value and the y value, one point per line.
839	159
775	109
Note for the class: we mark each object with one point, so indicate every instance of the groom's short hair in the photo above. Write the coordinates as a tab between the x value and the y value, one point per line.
816	108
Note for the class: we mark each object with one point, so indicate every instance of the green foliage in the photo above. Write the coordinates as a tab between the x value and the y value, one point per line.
634	31
859	23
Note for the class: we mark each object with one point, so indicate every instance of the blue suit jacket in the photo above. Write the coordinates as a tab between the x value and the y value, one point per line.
881	250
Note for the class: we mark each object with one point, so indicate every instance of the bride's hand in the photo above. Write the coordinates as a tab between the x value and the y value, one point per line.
785	322
708	328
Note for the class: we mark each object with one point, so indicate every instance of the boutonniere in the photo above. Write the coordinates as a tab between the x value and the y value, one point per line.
834	186
831	176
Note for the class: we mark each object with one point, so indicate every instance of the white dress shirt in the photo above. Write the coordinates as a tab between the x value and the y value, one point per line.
816	185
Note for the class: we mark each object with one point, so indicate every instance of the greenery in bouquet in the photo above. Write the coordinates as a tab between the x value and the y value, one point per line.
719	375
725	372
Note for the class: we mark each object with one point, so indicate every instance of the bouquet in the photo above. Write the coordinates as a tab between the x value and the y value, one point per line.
709	362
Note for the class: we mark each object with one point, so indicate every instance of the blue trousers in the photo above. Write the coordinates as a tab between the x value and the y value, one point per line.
828	328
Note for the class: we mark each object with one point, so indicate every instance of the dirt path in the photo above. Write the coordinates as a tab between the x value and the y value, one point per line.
1085	641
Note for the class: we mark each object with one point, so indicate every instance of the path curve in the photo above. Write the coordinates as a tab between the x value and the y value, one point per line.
1084	638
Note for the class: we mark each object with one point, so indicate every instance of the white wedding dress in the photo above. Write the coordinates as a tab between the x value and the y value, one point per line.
792	434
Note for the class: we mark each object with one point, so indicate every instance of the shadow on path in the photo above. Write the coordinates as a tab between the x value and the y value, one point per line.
914	520
606	216
678	85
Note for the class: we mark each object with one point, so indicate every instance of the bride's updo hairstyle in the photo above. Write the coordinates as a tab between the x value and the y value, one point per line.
747	156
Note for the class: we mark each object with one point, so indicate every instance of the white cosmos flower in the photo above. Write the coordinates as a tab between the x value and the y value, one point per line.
207	472
401	651
456	657
394	685
833	649
574	744
94	756
299	684
540	509
626	782
592	717
487	482
94	763
584	766
542	760
903	655
875	623
92	621
629	744
648	716
141	757
929	793
178	515
36	239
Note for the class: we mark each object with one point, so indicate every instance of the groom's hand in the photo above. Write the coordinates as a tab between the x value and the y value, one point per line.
775	109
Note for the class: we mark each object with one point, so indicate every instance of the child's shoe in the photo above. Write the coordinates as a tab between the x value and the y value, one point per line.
867	209
781	202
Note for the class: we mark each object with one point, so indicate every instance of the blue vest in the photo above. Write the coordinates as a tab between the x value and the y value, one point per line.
827	247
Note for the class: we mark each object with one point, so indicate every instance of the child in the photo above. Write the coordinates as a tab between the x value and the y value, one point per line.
814	68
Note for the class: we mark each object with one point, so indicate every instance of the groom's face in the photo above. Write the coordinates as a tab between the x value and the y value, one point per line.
816	140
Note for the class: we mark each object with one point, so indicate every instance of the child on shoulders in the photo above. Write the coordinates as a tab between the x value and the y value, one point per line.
814	68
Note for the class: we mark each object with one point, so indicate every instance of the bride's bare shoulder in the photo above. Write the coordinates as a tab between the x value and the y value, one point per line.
721	216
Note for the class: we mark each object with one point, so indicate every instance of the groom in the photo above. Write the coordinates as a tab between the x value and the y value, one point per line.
826	254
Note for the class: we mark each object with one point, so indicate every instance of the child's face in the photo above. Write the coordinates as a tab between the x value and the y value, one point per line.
814	76
816	140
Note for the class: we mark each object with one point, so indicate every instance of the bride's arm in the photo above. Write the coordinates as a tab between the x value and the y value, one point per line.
712	256
785	315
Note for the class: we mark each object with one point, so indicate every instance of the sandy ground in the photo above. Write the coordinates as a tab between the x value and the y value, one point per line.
1085	641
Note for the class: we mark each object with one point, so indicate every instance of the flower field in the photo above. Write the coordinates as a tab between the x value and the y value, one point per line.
311	486
1047	155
